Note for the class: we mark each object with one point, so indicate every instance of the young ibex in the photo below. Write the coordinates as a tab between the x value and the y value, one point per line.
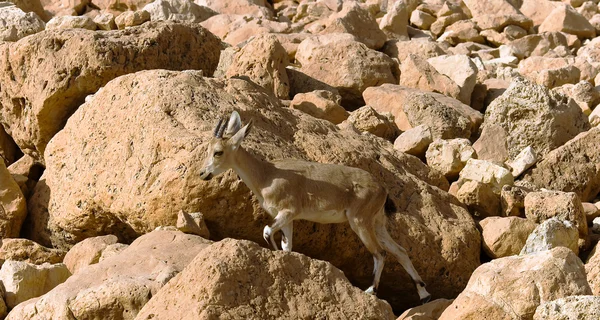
325	193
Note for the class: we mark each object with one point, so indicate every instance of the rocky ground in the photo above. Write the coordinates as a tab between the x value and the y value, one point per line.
478	116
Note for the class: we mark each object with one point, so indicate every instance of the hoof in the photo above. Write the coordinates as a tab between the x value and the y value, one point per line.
371	290
426	299
267	234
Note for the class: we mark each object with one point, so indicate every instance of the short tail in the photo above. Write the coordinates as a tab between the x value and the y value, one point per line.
390	206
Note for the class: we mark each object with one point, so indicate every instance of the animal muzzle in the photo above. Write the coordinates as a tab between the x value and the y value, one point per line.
205	175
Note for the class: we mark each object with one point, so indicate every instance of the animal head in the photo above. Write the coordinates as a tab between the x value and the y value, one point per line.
227	138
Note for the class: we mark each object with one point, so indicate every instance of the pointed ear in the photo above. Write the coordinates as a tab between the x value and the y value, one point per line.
239	136
234	124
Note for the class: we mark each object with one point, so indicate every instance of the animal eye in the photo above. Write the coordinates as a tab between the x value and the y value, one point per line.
218	153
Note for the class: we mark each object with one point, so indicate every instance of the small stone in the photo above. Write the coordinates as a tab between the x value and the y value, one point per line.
322	104
566	206
421	20
486	172
366	119
87	252
132	18
505	236
192	223
566	19
414	141
394	22
596	225
591	211
550	234
449	157
70	22
523	161
512	201
480	198
105	21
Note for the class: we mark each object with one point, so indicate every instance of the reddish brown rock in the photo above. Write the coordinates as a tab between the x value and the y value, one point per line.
505	236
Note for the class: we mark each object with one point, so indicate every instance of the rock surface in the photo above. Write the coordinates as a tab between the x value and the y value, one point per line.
29	251
550	234
234	278
16	24
119	286
166	158
569	308
513	287
63	81
505	236
87	252
13	207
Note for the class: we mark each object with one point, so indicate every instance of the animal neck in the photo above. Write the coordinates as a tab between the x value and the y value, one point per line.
252	170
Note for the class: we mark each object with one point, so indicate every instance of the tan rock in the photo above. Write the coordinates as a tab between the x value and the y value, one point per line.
462	31
192	223
263	60
321	104
28	251
461	70
428	311
87	252
481	8
566	19
169	114
259	283
367	119
550	234
513	32
538	10
105	21
66	79
394	22
539	44
591	211
414	141
585	94
417	73
574	307
421	19
449	156
545	120
8	148
70	22
571	167
422	47
355	20
543	205
180	10
132	18
438	27
505	236
119	286
592	270
447	117
499	22
512	200
235	29
344	64
513	287
480	198
255	8
118	6
588	9
16	24
23	281
486	172
13	207
65	7
113	250
34	6
523	161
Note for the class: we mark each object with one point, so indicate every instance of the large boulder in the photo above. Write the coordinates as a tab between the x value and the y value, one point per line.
550	234
505	236
568	20
528	114
416	72
13	207
160	143
347	65
257	283
355	20
569	308
571	168
16	24
87	252
117	287
513	287
71	64
447	117
481	8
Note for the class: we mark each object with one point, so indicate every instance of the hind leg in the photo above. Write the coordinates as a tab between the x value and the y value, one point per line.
370	241
288	233
401	255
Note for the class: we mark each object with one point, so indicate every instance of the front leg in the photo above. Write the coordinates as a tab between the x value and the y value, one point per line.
283	218
288	233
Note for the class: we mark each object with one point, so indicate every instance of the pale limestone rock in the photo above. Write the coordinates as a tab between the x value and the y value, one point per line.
105	21
70	22
394	22
263	60
513	32
429	311
459	68
480	198
367	119
550	234
462	31
570	308
523	161
480	8
571	167
132	18
416	72
505	236
513	287
594	117
539	44
438	27
112	250
181	10
566	19
422	47
28	251
16	24
543	205
87	252
254	8
414	141
322	104
355	20
588	9
192	223
13	207
591	211
449	157
538	10
499	22
421	19
486	172
492	144
23	281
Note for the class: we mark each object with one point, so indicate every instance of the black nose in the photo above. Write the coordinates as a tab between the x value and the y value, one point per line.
207	177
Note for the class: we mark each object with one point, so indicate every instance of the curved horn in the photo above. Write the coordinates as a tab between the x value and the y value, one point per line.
216	132
221	130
